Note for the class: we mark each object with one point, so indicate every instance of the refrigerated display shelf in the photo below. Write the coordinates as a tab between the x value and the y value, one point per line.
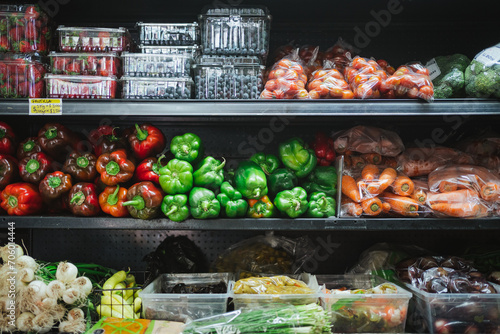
245	108
271	224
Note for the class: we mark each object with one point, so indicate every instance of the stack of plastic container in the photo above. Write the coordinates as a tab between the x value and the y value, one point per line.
89	64
163	69
235	44
24	32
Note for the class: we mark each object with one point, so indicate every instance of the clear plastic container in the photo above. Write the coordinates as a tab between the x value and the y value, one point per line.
158	305
157	88
86	39
156	65
193	50
21	76
81	86
247	300
170	34
454	312
235	31
103	64
222	78
363	313
24	29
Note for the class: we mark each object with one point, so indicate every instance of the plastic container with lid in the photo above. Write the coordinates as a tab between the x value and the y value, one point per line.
169	34
21	75
454	312
363	312
235	31
81	86
248	300
90	39
157	88
103	64
158	304
228	78
24	29
156	65
193	50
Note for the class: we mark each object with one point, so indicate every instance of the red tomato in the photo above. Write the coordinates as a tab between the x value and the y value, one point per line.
279	94
319	74
412	93
266	94
302	94
426	91
347	94
382	63
291	75
336	92
271	85
313	94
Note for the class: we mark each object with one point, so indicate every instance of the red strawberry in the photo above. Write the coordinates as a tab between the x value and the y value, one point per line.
59	64
85	90
74	68
104	39
24	47
16	34
36	90
42	46
31	13
4	43
30	31
92	64
112	89
22	89
107	67
35	73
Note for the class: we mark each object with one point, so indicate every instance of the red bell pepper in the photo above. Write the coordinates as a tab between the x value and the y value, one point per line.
145	141
115	167
7	139
104	139
34	168
323	149
83	200
57	140
112	199
96	134
27	147
149	170
8	170
21	199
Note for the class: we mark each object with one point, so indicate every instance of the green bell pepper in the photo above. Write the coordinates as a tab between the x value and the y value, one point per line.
250	180
292	202
322	179
203	203
210	173
269	163
175	207
321	205
296	155
176	177
281	179
229	175
232	202
187	147
260	208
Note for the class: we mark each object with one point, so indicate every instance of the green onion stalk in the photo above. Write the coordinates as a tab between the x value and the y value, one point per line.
94	272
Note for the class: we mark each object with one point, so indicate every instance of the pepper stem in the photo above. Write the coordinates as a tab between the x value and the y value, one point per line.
323	203
2	133
112	168
185	148
32	166
256	192
28	146
296	203
55	181
173	209
205	205
82	162
78	198
113	198
137	202
141	134
157	166
221	165
12	201
51	133
113	137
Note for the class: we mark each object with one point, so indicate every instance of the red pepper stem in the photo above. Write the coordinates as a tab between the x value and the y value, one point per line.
141	134
113	136
51	133
221	165
28	146
55	181
157	166
12	201
173	209
112	168
78	198
137	202
82	162
32	166
113	198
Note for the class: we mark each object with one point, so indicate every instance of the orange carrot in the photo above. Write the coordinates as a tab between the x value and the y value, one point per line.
372	206
372	158
461	210
350	188
457	196
405	206
386	207
386	178
357	161
447	186
419	195
403	186
490	191
369	173
349	207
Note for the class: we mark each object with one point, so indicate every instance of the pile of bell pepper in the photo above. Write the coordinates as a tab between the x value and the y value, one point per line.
125	173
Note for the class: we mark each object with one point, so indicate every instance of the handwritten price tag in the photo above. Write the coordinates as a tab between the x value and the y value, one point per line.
45	106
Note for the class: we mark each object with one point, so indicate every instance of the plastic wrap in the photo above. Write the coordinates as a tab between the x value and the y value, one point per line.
193	51
157	88
21	76
156	65
172	34
102	64
328	83
271	285
366	78
109	325
265	254
485	150
368	139
448	75
81	87
422	161
410	81
340	54
483	74
86	39
286	80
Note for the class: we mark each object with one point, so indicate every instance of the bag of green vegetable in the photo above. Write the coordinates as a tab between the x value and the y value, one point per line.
268	254
447	75
482	76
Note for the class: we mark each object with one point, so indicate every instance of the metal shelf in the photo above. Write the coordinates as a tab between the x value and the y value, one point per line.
300	224
264	107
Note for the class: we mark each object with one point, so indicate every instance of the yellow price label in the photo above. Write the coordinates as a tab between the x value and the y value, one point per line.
45	106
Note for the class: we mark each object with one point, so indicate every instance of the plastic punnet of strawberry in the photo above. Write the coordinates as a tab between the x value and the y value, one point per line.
21	76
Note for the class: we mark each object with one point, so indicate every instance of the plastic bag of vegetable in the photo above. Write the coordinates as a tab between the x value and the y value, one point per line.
176	254
268	254
482	76
448	75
